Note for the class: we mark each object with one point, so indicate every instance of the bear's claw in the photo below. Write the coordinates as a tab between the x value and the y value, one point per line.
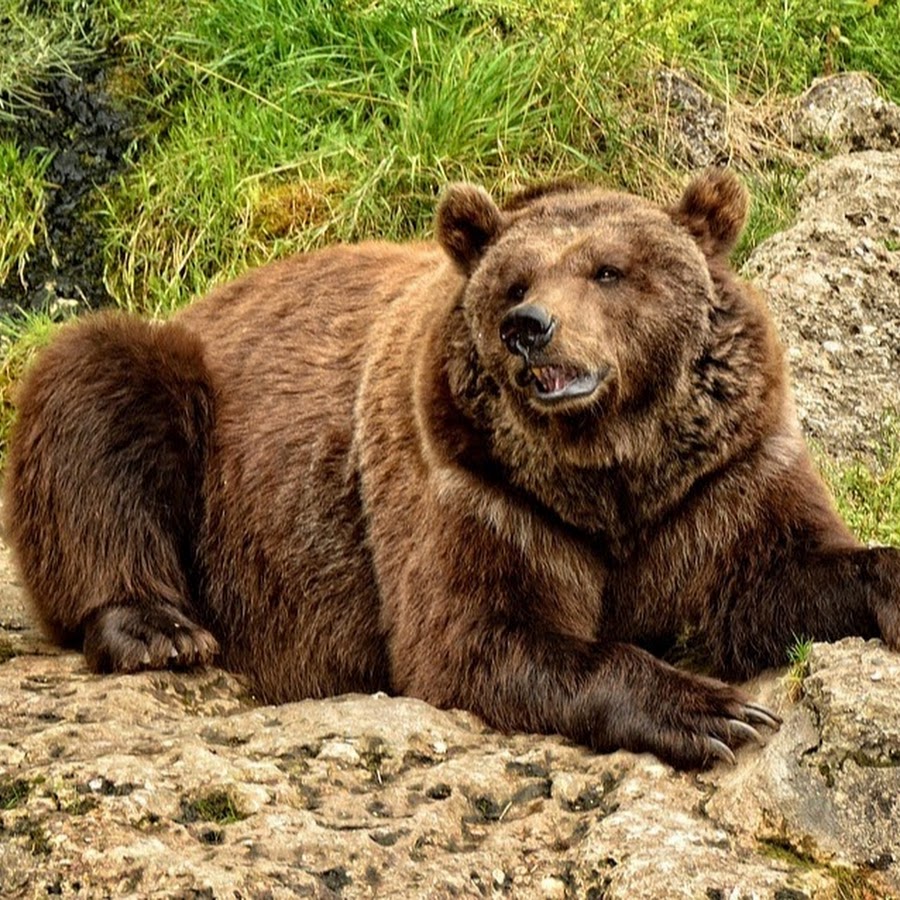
743	732
760	715
720	750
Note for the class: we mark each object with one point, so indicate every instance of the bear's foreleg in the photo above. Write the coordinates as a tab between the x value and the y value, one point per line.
104	491
471	628
607	696
805	594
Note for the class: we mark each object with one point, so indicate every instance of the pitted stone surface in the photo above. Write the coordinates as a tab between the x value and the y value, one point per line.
833	282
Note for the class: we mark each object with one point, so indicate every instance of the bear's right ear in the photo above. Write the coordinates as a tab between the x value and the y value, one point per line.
467	221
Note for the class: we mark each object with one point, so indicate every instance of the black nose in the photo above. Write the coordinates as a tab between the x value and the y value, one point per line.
526	329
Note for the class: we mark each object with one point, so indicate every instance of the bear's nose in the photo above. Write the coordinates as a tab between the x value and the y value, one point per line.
526	329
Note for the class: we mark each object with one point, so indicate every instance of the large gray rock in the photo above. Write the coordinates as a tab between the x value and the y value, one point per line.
828	786
843	113
833	282
694	126
176	785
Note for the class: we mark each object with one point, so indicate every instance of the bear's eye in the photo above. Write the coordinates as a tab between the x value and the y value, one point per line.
516	292
607	274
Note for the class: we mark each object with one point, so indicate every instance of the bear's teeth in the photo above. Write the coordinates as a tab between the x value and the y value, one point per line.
552	379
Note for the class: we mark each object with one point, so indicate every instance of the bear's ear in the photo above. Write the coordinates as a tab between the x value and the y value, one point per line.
713	209
467	221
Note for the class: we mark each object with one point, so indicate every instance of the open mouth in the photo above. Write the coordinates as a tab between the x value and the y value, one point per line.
560	382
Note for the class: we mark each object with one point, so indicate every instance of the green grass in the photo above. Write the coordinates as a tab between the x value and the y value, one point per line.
20	338
771	210
13	793
37	41
362	113
21	206
798	667
370	108
781	46
277	125
868	494
216	806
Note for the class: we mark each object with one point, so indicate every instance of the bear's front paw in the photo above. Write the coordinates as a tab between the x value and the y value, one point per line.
695	722
130	638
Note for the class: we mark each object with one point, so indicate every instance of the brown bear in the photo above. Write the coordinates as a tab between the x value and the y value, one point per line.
499	472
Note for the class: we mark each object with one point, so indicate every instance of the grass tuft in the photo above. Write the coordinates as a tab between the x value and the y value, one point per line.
21	206
798	667
772	210
216	806
13	793
868	495
20	338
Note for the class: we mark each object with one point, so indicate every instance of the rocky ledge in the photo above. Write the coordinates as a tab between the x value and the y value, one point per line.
833	282
177	785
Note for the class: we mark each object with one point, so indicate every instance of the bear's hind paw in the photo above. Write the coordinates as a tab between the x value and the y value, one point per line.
131	637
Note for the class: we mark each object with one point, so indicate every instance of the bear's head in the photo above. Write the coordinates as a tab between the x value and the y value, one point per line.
586	306
579	297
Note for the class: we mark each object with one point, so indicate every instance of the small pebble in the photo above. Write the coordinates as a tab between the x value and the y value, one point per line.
553	888
340	751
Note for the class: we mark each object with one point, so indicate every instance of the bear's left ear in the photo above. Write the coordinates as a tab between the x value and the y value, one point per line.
713	209
467	221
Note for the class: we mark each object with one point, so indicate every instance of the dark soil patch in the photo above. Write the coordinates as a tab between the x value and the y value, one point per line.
13	793
90	133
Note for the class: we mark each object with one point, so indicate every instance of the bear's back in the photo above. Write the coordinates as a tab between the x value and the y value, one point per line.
285	344
307	315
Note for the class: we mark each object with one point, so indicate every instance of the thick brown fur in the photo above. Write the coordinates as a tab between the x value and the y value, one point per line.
494	472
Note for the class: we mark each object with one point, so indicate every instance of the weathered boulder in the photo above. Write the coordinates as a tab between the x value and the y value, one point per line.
694	126
842	113
833	282
827	788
